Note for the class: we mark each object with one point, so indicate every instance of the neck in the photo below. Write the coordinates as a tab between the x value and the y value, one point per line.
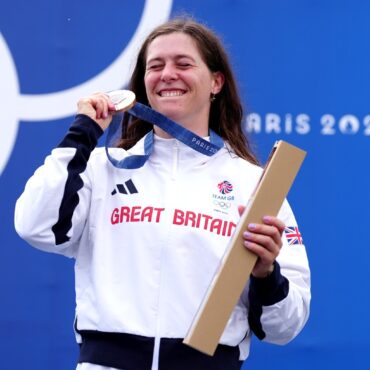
198	129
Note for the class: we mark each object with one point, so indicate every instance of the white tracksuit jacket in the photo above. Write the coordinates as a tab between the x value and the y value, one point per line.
147	243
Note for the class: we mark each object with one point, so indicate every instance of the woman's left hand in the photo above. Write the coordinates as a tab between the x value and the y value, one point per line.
265	241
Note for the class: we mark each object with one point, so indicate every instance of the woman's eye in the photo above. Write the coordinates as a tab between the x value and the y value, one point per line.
154	67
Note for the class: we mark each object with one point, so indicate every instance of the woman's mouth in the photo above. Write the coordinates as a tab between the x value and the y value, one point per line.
171	93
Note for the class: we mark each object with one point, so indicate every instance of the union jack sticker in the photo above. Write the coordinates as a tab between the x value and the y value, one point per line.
293	235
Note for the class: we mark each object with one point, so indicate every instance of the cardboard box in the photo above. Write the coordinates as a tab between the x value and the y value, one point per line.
237	263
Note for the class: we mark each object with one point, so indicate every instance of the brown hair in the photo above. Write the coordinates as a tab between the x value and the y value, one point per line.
226	112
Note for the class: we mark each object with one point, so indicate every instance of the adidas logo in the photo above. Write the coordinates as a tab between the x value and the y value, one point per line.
127	188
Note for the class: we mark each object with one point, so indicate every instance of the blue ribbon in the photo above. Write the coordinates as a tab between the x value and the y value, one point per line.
179	132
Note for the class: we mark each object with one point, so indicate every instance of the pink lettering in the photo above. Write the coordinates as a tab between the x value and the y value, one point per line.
207	218
114	219
178	217
135	214
190	217
216	226
159	212
231	228
147	213
125	213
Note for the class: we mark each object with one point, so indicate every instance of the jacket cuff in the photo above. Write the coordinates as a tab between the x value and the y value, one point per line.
83	130
269	290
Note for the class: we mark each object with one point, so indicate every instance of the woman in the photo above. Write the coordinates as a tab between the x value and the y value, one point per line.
147	241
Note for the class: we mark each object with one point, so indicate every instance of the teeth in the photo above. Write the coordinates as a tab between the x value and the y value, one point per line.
167	94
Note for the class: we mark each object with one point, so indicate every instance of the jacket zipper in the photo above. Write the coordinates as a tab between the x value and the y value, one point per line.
175	162
157	339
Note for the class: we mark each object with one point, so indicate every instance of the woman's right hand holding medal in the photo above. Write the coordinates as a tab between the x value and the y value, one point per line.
98	107
101	106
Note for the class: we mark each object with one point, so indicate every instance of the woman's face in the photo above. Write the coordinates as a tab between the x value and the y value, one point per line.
178	83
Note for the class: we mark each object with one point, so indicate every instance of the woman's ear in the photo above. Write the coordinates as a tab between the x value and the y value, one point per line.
217	82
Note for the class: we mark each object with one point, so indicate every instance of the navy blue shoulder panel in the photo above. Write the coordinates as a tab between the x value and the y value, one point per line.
265	292
83	135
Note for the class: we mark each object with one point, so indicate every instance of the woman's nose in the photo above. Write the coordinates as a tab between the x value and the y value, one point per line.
169	73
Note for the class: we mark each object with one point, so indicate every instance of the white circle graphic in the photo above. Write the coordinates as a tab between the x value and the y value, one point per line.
41	107
9	92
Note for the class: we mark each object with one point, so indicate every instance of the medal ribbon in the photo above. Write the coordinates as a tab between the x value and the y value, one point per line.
179	132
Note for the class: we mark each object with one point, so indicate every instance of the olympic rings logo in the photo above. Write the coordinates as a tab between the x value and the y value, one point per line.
222	204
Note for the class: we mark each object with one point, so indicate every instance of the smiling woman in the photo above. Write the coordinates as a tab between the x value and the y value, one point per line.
148	240
178	82
204	63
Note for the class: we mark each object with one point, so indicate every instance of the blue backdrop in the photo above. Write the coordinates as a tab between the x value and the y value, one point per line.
303	70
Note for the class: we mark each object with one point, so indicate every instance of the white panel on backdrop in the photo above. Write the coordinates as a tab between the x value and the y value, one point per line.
39	107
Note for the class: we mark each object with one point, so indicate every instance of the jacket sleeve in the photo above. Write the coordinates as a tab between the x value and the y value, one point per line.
279	305
52	210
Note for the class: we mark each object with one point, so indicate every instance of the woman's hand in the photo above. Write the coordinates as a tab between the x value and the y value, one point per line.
264	240
98	107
